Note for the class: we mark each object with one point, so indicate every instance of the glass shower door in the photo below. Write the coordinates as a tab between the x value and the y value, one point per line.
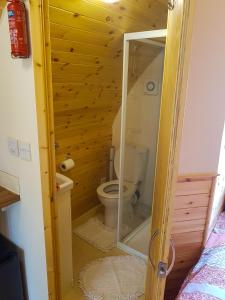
142	81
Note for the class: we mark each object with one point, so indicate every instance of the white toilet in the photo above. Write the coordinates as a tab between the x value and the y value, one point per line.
134	171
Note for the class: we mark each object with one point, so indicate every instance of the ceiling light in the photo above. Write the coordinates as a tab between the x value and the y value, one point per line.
110	1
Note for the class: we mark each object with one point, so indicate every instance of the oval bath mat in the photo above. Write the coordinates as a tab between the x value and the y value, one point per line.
114	278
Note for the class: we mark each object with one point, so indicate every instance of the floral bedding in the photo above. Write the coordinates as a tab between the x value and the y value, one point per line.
206	281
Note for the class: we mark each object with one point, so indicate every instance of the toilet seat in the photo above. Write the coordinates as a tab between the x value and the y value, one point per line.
110	189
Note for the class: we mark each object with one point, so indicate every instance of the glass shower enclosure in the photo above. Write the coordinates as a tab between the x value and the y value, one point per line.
143	61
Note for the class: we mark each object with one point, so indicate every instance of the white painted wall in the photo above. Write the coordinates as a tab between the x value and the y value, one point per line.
18	119
202	146
205	103
142	121
218	202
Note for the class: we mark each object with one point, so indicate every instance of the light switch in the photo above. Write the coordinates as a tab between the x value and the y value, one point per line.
24	151
13	146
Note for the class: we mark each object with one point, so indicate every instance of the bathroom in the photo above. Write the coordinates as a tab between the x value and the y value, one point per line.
105	168
96	146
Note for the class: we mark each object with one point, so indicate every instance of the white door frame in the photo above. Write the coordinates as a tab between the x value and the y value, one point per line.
134	36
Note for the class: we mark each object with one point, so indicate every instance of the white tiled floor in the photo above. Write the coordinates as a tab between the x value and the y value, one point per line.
83	253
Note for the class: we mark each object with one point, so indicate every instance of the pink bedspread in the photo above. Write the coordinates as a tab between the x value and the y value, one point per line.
207	279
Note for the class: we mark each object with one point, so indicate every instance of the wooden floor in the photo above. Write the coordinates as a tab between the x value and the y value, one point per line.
83	253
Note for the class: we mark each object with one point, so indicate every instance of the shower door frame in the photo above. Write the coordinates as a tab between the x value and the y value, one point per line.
128	37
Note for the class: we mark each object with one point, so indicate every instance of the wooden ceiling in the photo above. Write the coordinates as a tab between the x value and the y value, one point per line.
87	49
96	32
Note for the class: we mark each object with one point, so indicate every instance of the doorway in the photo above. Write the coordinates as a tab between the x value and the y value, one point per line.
178	17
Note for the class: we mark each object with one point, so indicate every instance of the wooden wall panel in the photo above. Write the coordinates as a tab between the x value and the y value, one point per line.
191	211
87	50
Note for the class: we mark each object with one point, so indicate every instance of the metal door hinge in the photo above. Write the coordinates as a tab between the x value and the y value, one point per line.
171	4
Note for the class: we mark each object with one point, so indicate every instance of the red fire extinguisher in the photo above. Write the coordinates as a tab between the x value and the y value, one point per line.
18	29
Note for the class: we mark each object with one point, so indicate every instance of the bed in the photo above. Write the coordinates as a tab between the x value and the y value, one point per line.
206	281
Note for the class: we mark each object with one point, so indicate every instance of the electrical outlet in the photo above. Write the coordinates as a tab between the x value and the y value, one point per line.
24	151
13	146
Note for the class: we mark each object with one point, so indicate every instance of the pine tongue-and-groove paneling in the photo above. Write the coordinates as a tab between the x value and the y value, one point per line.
87	44
193	197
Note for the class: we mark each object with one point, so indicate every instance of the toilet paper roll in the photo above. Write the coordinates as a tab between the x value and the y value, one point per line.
67	165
